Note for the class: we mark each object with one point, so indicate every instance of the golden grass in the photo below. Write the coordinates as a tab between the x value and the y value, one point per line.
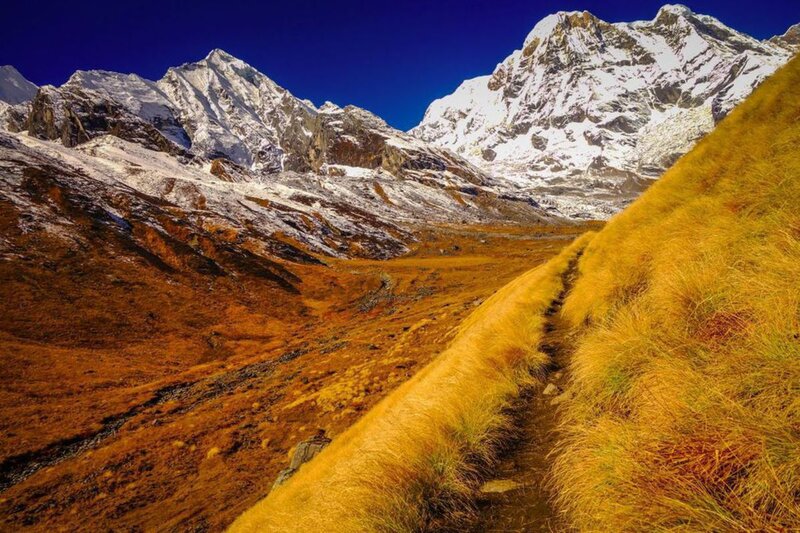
413	458
687	368
686	377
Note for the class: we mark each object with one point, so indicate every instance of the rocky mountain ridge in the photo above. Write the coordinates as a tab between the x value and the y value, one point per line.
576	123
586	113
215	167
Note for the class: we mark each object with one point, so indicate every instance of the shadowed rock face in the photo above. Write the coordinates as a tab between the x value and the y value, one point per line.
355	137
581	92
73	116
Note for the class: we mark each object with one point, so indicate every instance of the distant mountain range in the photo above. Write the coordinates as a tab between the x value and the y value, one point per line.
575	124
218	168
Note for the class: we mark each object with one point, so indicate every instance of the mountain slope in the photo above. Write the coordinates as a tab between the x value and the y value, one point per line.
586	111
686	375
16	92
223	142
141	97
14	88
230	109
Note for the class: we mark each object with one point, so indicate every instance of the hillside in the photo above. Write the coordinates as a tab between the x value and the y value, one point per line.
686	372
680	410
145	394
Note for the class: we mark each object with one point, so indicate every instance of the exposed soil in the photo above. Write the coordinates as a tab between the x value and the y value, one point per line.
134	399
517	498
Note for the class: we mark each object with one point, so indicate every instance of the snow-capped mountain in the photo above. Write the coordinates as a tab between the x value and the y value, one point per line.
14	88
216	165
16	93
789	40
221	107
587	112
230	109
143	98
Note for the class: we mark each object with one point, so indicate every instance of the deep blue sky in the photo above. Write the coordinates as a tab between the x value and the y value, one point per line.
391	57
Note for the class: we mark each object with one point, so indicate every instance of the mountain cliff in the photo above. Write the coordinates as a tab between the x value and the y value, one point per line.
587	112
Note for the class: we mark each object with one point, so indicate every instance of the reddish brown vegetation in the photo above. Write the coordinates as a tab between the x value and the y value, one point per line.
136	396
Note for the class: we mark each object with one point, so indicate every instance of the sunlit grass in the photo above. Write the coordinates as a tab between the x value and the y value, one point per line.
685	380
687	370
415	458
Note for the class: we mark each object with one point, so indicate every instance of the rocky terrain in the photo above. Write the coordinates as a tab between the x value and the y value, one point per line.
587	113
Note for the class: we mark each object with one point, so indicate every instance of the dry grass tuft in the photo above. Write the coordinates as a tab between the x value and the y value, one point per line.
415	458
687	369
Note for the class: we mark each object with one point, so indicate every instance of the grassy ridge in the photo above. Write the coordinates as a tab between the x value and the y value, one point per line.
687	370
412	458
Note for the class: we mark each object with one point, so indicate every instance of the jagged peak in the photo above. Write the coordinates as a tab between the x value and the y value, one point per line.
82	76
14	87
9	69
790	38
674	9
329	107
10	72
220	55
220	58
561	19
215	59
224	65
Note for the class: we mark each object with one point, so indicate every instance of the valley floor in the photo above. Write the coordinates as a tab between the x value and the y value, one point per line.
125	423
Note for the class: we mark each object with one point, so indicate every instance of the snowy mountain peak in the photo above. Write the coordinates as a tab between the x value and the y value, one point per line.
14	88
551	23
218	54
789	40
588	109
221	60
674	9
140	97
230	109
329	107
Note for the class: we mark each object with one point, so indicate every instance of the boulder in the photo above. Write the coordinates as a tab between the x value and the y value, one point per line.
303	453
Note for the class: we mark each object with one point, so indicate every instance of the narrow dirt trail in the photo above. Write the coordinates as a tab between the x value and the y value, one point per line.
516	498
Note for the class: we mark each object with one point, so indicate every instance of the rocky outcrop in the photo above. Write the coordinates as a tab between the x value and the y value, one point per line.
303	453
789	40
74	115
137	96
354	137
